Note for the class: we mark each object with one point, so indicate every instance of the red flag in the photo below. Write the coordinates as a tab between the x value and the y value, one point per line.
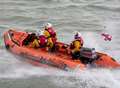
107	37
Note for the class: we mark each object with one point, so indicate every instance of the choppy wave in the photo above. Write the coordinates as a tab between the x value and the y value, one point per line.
88	79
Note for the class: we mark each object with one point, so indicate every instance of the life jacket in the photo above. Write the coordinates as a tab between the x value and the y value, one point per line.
46	34
74	45
42	40
51	32
81	40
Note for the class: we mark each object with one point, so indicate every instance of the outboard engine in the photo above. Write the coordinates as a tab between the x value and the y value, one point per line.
87	55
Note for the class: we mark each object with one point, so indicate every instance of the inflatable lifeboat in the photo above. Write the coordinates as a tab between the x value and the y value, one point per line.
17	42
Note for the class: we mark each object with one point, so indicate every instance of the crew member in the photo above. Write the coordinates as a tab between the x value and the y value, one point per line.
76	45
35	41
50	34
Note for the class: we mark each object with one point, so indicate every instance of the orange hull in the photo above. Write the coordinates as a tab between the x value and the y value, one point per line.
14	42
106	61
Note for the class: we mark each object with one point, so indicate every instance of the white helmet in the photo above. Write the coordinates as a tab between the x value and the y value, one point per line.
41	32
77	35
48	25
